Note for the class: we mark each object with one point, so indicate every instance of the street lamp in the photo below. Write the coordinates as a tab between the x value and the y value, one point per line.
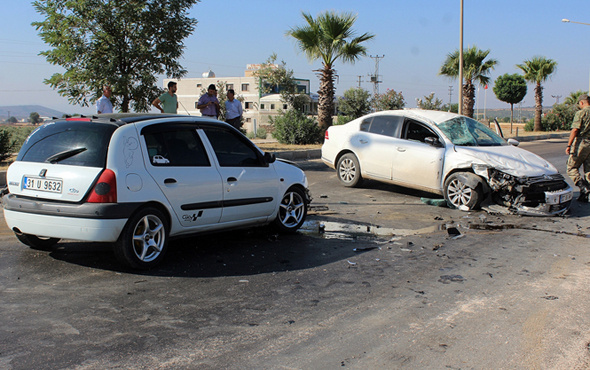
568	21
565	20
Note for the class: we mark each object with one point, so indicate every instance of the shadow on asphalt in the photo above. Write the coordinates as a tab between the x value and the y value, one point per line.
236	253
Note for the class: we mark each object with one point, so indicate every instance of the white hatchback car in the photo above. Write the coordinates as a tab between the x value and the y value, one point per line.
446	154
137	180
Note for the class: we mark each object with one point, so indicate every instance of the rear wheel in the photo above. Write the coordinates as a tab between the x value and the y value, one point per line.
292	211
144	239
460	195
349	170
37	242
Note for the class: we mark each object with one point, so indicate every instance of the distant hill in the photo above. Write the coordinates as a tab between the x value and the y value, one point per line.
24	111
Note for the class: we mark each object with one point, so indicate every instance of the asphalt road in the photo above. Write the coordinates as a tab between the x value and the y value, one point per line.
375	280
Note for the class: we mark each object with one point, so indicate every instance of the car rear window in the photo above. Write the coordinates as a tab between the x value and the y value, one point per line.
76	143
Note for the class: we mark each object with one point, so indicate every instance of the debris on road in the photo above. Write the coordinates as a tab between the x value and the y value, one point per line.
447	279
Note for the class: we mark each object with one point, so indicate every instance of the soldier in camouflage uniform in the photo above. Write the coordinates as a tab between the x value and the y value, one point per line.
578	148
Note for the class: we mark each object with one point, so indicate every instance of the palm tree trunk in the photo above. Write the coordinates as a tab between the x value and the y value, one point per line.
538	106
326	97
468	99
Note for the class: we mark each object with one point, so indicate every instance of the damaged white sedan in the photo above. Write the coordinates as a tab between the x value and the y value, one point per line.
446	154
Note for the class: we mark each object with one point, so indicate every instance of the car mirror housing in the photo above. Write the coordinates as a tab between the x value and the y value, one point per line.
434	141
269	157
513	142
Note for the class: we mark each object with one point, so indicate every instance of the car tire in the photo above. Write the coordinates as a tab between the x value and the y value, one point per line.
144	239
292	211
37	242
349	170
460	195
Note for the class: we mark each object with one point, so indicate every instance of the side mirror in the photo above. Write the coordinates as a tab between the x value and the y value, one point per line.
513	142
433	141
269	157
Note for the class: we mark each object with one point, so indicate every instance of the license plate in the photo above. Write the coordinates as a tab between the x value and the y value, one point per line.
566	197
41	184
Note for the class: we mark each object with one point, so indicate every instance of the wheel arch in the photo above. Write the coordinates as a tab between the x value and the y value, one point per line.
471	179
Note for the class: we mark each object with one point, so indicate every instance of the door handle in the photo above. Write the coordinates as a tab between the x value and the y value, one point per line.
363	141
231	179
170	181
400	149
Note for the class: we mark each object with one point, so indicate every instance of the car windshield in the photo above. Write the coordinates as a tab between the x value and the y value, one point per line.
466	131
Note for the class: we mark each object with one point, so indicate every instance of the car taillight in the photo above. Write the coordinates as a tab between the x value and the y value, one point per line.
105	190
326	135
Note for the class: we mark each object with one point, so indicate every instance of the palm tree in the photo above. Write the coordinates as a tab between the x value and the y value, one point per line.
572	99
538	70
475	70
328	38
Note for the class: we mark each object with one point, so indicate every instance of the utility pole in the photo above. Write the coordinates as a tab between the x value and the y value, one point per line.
450	96
360	78
375	77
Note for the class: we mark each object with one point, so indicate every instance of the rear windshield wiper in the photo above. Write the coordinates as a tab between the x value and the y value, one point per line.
64	155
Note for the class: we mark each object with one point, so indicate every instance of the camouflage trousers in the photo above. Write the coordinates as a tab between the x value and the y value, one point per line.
579	156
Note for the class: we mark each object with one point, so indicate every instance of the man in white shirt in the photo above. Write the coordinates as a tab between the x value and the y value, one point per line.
233	110
104	105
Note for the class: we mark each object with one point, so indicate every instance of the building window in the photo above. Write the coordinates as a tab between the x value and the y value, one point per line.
248	119
245	87
199	85
272	106
285	106
248	105
262	106
229	87
196	103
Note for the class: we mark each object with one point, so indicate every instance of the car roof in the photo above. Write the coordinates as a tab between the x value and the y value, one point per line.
121	119
433	116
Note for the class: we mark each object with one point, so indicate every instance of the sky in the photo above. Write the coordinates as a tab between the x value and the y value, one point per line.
412	40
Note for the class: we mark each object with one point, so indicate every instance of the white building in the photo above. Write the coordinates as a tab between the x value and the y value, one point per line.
257	107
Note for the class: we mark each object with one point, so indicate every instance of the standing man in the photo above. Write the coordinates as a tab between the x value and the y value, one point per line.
208	104
578	148
169	100
104	105
233	110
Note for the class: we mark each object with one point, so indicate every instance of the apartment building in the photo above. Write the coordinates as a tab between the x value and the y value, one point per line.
258	107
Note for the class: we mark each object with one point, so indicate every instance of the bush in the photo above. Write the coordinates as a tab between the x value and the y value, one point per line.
292	127
341	120
7	144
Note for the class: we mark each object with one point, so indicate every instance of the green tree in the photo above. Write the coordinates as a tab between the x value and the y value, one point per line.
12	119
475	70
430	102
276	78
355	103
329	38
537	70
35	118
391	100
7	144
572	99
511	89
124	44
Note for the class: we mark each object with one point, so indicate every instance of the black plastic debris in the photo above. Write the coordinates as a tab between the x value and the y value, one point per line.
364	249
447	279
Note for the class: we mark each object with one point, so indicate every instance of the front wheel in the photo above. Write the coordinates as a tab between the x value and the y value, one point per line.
37	242
292	211
460	195
144	239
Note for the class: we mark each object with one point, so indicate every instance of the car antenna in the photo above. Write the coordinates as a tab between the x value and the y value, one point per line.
184	108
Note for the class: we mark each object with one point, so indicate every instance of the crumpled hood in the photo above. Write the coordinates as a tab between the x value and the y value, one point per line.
507	158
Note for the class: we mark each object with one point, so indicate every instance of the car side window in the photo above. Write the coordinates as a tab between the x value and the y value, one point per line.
386	125
176	148
232	150
417	131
